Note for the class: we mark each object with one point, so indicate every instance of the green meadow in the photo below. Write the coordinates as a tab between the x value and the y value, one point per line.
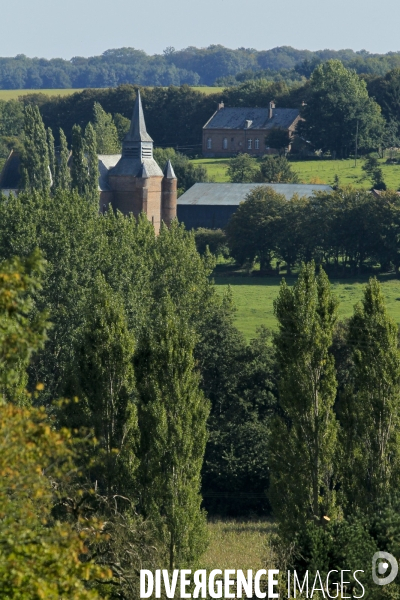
317	171
254	298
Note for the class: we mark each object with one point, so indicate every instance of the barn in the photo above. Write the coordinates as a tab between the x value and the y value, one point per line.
211	205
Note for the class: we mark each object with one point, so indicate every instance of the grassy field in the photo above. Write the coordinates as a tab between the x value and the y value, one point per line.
237	544
13	94
316	171
254	298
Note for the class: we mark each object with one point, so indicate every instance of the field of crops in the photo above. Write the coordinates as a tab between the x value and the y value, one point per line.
13	94
317	171
254	298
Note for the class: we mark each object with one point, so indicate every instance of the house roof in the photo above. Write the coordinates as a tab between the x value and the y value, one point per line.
232	194
235	118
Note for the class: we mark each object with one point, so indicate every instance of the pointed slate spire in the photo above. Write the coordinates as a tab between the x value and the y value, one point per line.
137	131
169	172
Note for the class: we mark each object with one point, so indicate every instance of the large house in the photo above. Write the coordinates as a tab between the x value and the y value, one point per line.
234	130
132	182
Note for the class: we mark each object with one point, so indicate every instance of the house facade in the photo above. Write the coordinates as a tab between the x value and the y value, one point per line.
232	131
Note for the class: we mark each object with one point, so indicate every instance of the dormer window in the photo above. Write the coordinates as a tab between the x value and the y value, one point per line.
248	124
249	144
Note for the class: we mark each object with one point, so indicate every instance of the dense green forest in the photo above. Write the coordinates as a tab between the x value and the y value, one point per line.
194	66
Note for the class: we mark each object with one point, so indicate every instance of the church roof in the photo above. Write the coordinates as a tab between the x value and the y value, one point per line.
232	194
169	172
134	167
138	131
252	118
106	162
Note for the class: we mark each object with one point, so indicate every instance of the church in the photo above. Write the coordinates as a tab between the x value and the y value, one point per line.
131	182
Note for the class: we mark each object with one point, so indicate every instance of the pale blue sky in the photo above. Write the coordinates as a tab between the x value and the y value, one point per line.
66	28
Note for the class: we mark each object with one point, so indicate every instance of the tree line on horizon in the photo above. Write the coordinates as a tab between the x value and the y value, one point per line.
215	65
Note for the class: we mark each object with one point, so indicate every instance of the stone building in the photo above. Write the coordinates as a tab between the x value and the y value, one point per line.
234	130
131	182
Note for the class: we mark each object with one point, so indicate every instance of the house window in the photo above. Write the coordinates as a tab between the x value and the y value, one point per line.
249	144
209	144
257	144
225	144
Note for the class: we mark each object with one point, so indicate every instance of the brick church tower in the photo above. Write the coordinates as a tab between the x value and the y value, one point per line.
133	182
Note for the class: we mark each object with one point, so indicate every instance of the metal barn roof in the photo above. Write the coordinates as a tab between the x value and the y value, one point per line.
232	194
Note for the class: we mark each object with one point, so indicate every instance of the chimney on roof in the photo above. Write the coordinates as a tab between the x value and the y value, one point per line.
221	105
271	109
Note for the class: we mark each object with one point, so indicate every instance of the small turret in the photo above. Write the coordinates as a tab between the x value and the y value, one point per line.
169	195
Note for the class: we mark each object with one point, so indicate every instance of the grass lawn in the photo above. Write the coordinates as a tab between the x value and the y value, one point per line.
237	544
254	298
14	94
317	171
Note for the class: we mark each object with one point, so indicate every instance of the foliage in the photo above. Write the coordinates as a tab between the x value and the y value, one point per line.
186	172
251	231
78	162
371	404
339	109
213	239
62	180
22	332
90	143
107	140
39	556
172	421
374	172
274	169
35	159
278	139
242	169
303	440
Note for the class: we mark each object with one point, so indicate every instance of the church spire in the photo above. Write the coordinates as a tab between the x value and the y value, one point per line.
137	142
137	131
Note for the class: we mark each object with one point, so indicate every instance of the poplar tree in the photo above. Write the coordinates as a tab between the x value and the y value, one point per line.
52	154
304	437
106	131
63	176
35	159
102	377
371	413
92	162
172	421
79	168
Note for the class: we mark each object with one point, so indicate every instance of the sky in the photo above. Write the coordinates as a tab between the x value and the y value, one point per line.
63	29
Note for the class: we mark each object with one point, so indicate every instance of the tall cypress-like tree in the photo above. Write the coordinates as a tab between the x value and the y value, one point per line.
63	176
92	162
371	413
52	154
304	437
106	131
79	167
35	159
102	377
172	421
